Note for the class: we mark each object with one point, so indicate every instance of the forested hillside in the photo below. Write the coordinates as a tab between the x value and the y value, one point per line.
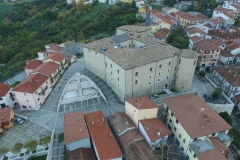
27	28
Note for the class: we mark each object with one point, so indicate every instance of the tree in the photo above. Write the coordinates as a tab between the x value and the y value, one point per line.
45	140
226	117
31	145
197	68
216	93
202	73
207	69
178	38
17	148
3	150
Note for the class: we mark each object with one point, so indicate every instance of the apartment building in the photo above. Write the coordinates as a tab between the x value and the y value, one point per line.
133	63
59	59
227	15
199	131
31	65
225	57
7	98
225	36
209	53
32	91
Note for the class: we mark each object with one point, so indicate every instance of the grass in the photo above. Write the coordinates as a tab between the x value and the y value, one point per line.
157	7
79	55
173	90
15	84
162	93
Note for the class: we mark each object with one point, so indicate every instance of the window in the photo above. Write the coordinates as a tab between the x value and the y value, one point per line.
132	114
136	74
169	63
118	71
215	55
190	150
176	121
27	100
170	120
1	98
180	136
38	99
24	107
179	60
168	70
194	62
150	76
159	73
184	140
158	80
111	72
150	69
30	107
172	114
160	66
24	94
167	77
118	85
175	129
213	134
118	78
177	76
36	92
149	83
111	65
136	82
106	64
47	82
194	156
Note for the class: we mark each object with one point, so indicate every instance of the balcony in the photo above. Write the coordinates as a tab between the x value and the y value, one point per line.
224	138
199	146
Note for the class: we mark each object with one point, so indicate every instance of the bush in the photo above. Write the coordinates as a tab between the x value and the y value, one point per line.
207	69
21	154
197	68
31	145
234	133
216	93
17	148
34	151
3	150
202	73
61	138
226	117
44	140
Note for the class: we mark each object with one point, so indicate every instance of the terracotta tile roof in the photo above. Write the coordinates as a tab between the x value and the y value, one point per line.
82	154
31	83
55	48
196	117
129	137
168	21
181	13
226	54
132	28
206	46
234	46
224	35
121	123
139	150
238	97
33	64
230	74
102	136
154	11
46	68
75	128
217	20
153	126
195	38
5	115
195	30
236	5
4	89
221	9
211	154
216	42
208	25
162	33
142	102
57	57
202	16
217	144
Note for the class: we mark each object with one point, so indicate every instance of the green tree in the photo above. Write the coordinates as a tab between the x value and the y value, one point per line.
31	145
207	69
226	117
178	38
202	73
235	134
216	93
45	140
3	150
197	68
17	148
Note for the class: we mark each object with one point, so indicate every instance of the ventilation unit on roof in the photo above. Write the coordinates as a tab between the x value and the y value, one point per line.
36	80
146	127
103	49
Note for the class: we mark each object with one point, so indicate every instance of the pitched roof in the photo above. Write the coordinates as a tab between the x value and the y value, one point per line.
82	154
211	154
129	137
142	102
55	47
139	150
216	42
197	117
32	64
4	89
75	128
57	57
154	126
195	38
217	20
102	136
224	35
217	144
5	115
120	38
234	46
195	30
121	122
206	46
226	54
230	74
31	83
46	68
132	28
162	33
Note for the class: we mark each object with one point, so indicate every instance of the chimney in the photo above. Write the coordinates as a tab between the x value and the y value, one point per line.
205	117
103	119
2	118
158	133
80	129
208	122
110	135
92	122
190	108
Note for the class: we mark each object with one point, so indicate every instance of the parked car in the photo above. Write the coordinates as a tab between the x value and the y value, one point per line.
207	98
19	120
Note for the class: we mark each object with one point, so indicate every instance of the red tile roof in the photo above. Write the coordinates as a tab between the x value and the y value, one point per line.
211	154
226	54
195	38
217	20
234	46
129	137
75	128
154	126
195	30
31	83
57	57
33	64
47	68
216	42
224	35
196	117
102	136
206	46
142	102
82	154
54	47
5	115
162	33
154	11
4	89
217	144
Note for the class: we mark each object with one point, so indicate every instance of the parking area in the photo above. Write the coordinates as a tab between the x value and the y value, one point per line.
22	134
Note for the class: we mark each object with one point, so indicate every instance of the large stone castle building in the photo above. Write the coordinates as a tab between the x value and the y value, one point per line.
134	63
